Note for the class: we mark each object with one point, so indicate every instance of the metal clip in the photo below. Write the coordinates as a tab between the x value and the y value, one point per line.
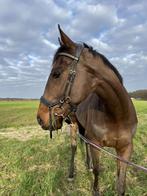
72	72
67	99
61	101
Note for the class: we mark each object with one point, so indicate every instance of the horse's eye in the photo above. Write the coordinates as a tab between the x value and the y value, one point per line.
56	74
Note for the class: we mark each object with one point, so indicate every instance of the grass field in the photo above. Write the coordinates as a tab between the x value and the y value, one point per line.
32	164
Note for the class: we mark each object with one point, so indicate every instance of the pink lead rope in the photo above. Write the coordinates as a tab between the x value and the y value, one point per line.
112	155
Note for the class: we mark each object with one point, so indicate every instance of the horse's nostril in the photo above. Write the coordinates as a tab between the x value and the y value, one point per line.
39	120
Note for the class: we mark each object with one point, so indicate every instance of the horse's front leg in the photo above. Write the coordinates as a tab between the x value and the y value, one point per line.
125	153
95	160
73	137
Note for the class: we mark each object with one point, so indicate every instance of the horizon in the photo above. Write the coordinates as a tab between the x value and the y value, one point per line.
39	98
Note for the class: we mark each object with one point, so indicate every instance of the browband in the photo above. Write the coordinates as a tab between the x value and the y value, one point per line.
68	55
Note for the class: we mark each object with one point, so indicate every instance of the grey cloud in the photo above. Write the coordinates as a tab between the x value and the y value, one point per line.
28	39
92	19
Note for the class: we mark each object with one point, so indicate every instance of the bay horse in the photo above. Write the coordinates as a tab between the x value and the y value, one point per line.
77	71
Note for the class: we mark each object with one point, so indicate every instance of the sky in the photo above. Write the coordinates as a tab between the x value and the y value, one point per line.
29	39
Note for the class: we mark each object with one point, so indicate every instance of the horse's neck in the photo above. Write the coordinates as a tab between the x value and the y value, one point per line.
115	96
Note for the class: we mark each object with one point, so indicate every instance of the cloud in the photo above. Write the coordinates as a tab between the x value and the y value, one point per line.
28	39
91	16
100	45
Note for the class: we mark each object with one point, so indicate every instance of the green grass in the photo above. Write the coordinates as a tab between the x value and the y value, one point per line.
18	113
32	164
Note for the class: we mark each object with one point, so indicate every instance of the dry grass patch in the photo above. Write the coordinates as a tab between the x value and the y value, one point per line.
45	167
23	133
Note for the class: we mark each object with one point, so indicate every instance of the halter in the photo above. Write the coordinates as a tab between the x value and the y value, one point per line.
66	95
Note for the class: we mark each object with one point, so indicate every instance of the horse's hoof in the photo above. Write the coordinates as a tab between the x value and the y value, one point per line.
70	179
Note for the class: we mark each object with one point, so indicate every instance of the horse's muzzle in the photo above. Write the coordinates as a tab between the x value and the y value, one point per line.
56	124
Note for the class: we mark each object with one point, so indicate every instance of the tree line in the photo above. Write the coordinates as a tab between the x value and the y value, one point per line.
139	94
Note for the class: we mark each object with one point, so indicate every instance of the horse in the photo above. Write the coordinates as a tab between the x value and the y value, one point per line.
78	71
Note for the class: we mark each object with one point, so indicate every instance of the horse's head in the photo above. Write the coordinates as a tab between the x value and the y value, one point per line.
67	84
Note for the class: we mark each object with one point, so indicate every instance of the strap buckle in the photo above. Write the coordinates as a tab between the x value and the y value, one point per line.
61	101
72	72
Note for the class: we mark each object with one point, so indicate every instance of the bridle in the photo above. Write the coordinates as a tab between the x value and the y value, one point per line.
66	95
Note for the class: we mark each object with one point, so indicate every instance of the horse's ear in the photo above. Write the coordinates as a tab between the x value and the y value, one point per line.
60	42
64	39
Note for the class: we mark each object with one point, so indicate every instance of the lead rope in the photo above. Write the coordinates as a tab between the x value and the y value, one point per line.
112	155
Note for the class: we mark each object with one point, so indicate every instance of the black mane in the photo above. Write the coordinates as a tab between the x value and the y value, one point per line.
106	61
63	48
